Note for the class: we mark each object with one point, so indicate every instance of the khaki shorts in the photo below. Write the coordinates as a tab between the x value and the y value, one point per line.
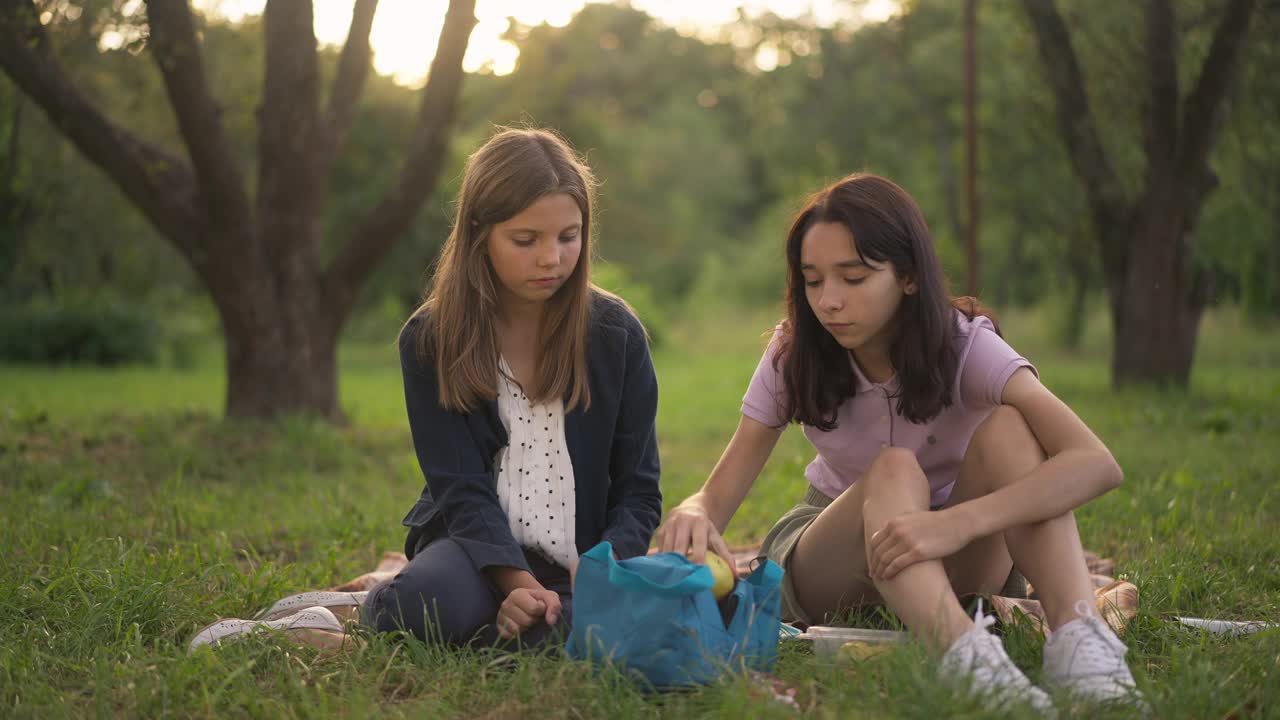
785	534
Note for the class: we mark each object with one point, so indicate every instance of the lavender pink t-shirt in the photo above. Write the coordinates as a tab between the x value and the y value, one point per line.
868	422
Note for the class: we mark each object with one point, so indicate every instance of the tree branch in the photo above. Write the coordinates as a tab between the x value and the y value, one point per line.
1160	124
353	69
177	53
1075	119
1201	117
288	125
11	160
161	185
388	221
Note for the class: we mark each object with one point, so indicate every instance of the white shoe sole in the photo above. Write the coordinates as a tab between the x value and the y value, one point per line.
319	598
312	618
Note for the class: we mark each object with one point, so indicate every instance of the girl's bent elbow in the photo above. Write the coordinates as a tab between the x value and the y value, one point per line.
1113	474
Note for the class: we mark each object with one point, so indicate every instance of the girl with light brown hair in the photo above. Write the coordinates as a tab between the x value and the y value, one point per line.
531	399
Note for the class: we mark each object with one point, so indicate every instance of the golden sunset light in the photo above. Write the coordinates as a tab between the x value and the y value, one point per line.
405	31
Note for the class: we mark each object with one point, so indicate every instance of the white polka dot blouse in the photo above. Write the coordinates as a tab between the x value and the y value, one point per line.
535	478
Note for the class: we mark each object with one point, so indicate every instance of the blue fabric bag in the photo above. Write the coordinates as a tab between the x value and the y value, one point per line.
655	615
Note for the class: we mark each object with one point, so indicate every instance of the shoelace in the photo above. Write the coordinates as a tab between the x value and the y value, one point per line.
983	622
1088	648
1003	672
980	620
1082	608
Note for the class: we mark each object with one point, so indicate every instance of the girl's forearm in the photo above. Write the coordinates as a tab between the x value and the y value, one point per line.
1057	486
735	472
719	498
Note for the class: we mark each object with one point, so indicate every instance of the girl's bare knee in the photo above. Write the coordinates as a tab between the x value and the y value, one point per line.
895	461
894	471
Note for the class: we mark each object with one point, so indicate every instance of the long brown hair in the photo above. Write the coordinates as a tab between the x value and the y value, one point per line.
887	226
507	174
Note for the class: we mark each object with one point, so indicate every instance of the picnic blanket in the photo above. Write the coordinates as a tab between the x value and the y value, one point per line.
1116	600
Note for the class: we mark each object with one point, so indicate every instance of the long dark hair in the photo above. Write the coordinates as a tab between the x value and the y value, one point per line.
887	226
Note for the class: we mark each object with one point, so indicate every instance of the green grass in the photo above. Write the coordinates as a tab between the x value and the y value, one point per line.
132	515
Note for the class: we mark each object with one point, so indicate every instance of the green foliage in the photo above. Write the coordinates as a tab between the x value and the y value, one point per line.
702	155
639	296
87	331
656	115
747	276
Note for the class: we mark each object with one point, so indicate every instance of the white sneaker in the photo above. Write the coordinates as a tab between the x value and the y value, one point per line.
979	659
321	598
1086	658
313	618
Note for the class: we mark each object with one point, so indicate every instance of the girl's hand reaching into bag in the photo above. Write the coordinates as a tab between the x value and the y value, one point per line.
690	532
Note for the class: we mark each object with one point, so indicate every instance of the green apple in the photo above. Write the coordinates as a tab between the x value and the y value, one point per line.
723	574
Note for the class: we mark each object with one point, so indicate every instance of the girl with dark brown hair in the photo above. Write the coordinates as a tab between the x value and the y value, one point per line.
942	461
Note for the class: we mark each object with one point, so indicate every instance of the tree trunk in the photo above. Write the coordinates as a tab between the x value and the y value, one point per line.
276	366
1158	319
281	350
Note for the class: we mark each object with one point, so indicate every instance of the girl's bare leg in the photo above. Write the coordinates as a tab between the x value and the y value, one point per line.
1048	553
829	564
921	594
828	567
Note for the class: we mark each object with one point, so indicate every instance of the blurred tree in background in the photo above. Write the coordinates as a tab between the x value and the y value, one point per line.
281	302
706	146
1146	229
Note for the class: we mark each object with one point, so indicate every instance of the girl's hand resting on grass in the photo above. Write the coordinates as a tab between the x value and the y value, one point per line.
690	532
526	607
914	537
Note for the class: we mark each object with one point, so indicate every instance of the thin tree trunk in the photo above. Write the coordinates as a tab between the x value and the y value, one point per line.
1077	309
971	143
14	205
942	136
1272	266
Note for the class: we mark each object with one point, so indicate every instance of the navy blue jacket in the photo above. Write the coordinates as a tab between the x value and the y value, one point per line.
613	448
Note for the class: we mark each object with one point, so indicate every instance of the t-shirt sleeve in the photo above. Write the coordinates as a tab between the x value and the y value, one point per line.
987	364
766	394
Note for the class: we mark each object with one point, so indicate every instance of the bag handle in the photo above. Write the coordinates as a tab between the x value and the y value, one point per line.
698	580
768	574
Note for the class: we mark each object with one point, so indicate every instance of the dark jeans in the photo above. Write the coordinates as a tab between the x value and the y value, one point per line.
440	597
